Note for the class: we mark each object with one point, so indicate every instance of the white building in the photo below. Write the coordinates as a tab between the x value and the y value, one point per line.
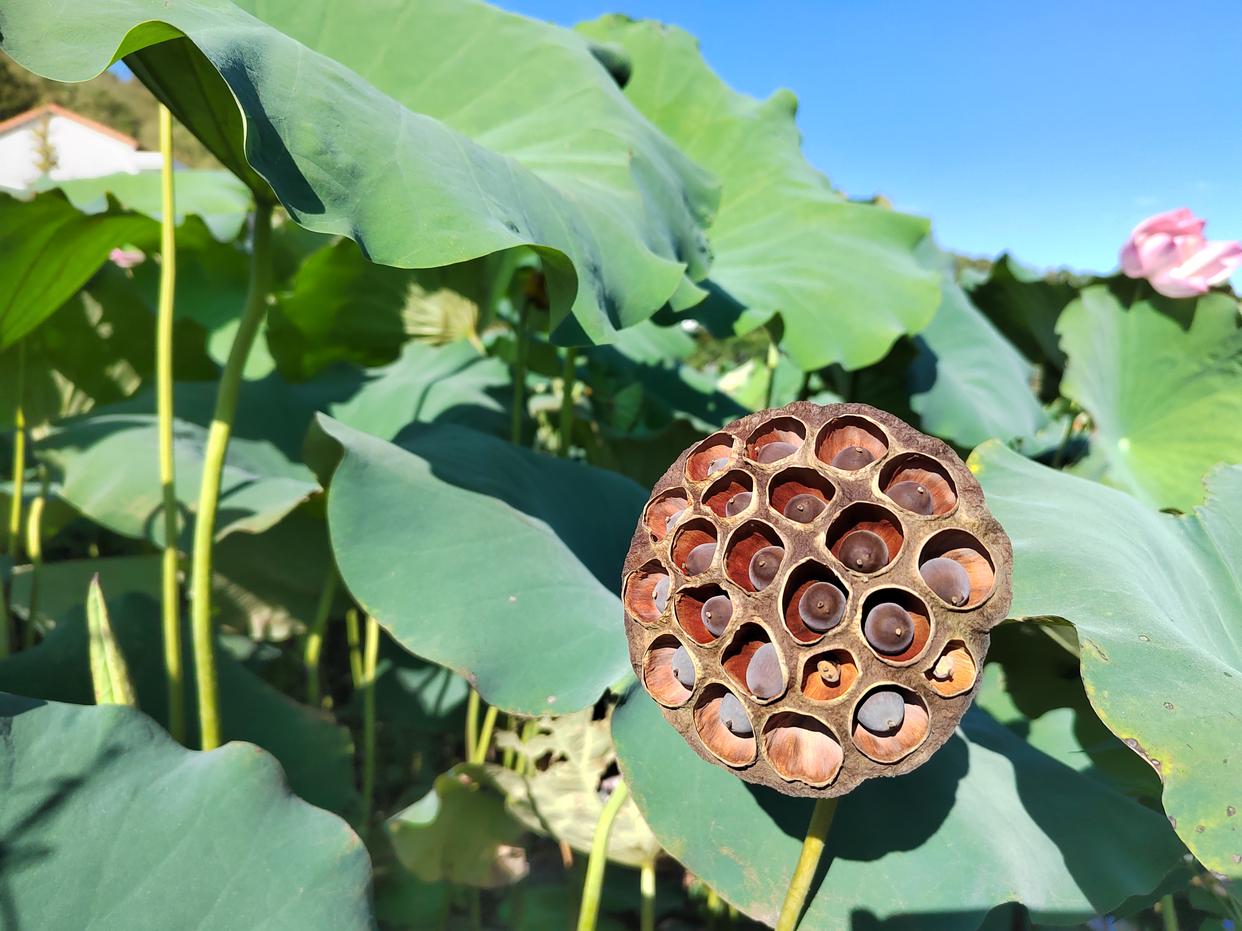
58	143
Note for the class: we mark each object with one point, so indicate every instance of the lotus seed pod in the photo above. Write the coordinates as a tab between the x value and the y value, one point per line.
864	551
947	579
882	713
763	675
809	593
771	452
821	607
853	458
738	503
699	559
889	628
764	565
804	508
683	667
913	497
733	716
716	613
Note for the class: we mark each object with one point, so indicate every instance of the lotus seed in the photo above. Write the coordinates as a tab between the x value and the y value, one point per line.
882	713
763	673
659	594
804	508
716	613
947	578
889	628
718	465
733	716
764	565
673	518
912	496
829	671
864	551
737	504
853	458
700	558
771	452
821	607
683	668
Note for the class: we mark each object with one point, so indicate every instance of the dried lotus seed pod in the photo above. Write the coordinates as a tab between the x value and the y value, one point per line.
823	590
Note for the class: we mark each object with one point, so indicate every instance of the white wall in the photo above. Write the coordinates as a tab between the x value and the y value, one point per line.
81	152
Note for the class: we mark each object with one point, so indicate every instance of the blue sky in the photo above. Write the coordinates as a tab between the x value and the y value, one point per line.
1047	129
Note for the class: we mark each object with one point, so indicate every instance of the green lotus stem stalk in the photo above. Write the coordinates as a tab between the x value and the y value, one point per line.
773	360
34	552
368	721
647	889
484	739
568	372
507	760
1168	913
713	909
808	862
476	910
213	468
598	858
19	456
354	639
314	638
170	596
521	341
472	722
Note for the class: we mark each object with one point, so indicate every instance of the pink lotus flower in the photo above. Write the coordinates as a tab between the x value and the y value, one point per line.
1169	251
126	258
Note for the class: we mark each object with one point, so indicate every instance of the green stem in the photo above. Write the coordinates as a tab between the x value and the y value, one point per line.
314	638
19	457
808	862
521	341
1168	913
598	859
484	739
476	910
34	551
368	721
568	373
773	360
472	722
507	760
647	889
213	468
713	909
170	596
353	637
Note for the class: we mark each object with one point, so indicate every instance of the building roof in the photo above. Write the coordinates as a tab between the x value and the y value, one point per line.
54	109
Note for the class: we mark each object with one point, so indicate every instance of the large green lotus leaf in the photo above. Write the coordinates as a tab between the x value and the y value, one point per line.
108	823
1156	600
559	793
987	820
97	348
218	197
316	753
968	382
1162	381
500	563
430	134
460	832
48	249
843	276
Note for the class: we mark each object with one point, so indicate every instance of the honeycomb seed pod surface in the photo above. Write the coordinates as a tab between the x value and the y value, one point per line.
810	740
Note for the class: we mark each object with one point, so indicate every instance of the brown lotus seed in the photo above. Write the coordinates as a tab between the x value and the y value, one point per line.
700	558
733	716
804	508
947	578
889	628
683	668
852	458
829	671
821	607
864	551
882	713
716	614
913	497
763	673
764	565
771	452
659	594
737	504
